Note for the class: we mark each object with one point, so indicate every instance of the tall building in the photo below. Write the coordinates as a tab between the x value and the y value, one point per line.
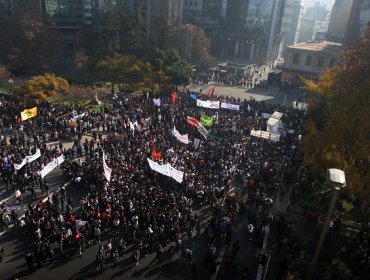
11	7
168	9
293	12
339	20
358	20
6	8
317	12
307	30
209	15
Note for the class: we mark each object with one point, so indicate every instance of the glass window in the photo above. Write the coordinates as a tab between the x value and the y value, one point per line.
296	58
320	62
308	60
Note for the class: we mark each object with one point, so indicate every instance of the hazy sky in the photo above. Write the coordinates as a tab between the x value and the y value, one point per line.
328	3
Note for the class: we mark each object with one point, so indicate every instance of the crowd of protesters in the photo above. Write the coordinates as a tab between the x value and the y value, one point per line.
138	206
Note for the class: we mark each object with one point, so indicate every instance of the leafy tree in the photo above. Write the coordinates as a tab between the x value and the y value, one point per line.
338	129
170	64
26	44
4	74
193	44
129	72
41	87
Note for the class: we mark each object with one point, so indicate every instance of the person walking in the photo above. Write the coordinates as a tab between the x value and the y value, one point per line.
250	231
137	256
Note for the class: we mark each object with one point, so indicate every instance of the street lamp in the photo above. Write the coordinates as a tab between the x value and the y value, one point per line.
337	179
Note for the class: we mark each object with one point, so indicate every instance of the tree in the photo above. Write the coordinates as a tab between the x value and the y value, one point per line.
170	64
128	72
41	87
193	44
338	129
26	44
4	74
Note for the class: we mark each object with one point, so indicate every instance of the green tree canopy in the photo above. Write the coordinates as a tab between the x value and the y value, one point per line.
338	129
170	63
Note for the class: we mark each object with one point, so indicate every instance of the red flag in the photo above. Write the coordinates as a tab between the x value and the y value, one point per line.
211	92
193	122
173	98
156	155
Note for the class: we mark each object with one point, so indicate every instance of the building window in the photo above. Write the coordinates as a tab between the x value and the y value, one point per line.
195	3
308	60
186	3
332	61
190	3
296	58
320	62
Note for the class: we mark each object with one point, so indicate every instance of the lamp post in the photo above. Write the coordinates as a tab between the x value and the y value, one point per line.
337	179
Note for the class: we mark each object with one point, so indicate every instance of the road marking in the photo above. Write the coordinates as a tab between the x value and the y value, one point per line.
220	257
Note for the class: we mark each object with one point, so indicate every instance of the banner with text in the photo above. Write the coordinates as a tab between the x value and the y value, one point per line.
205	120
51	166
166	170
28	159
230	106
208	104
265	135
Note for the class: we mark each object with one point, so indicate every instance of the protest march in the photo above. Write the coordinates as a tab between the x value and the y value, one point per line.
149	162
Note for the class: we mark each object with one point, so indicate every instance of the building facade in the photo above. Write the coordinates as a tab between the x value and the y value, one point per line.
308	60
358	20
339	20
168	9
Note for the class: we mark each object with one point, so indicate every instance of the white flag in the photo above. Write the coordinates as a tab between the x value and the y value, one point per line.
182	138
107	170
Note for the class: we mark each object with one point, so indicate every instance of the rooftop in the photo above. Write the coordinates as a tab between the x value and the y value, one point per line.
319	46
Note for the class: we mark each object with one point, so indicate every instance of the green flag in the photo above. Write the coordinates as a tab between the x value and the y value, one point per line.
205	120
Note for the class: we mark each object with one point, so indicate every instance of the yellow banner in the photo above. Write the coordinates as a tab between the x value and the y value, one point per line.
28	113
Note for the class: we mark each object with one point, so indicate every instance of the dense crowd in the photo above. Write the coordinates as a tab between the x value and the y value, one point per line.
138	205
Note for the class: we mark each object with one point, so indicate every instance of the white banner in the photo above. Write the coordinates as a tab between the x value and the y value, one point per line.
75	118
19	166
265	115
28	159
265	135
182	138
202	130
34	156
107	170
208	104
176	174
166	170
51	165
160	168
157	102
230	106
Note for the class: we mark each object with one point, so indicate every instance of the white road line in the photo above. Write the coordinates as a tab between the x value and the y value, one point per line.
220	258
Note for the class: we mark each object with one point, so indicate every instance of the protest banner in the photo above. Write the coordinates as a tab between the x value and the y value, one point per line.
208	104
230	106
205	120
182	138
51	166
